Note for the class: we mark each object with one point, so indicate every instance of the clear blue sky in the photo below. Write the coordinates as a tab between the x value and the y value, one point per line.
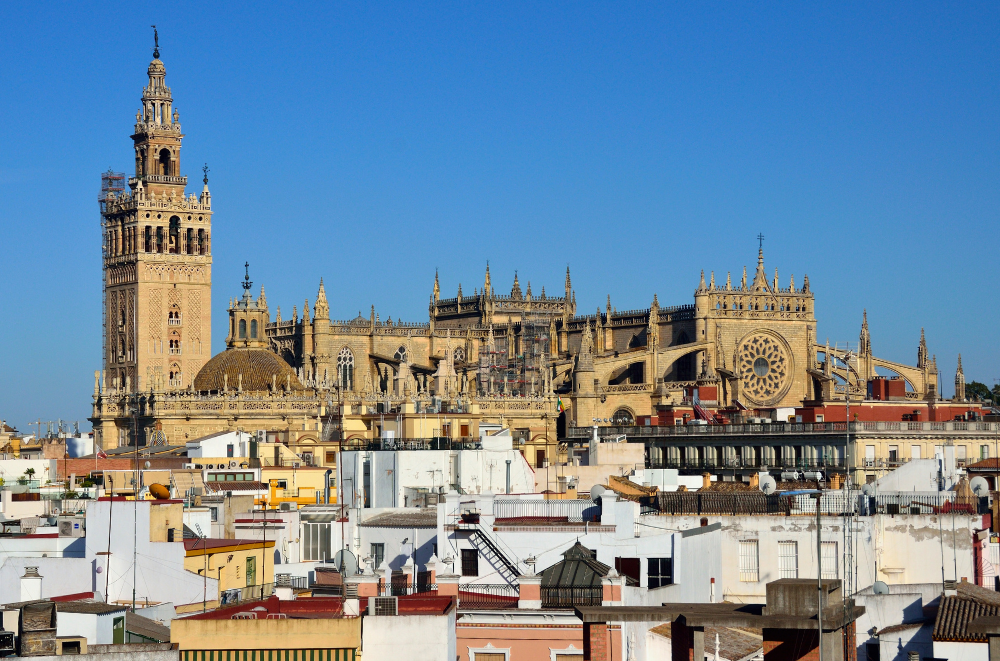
639	143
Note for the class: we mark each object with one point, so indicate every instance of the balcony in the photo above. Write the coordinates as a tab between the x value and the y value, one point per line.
483	596
173	322
175	351
249	593
783	428
568	597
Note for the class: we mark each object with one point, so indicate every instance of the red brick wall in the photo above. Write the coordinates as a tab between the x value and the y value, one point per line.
595	642
84	467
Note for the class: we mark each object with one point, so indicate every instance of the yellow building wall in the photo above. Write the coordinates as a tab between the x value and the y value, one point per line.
326	633
301	484
164	517
232	572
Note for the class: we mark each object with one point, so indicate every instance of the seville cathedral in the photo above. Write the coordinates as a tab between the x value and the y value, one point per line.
524	360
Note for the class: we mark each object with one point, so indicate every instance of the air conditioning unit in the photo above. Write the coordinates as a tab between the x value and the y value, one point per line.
288	507
188	466
383	606
261	435
71	528
233	464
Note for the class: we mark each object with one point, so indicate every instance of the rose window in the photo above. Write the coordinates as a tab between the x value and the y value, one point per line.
764	367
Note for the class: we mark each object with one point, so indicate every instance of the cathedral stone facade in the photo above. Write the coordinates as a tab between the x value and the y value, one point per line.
522	361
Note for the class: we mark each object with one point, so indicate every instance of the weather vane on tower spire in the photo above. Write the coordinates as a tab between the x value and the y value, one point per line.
246	279
156	43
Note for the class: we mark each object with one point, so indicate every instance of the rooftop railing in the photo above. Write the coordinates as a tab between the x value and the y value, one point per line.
781	428
483	596
832	504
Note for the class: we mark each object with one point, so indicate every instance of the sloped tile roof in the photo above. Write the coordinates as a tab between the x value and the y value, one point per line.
956	612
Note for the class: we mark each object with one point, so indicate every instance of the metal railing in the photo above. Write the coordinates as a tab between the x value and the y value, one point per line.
834	504
568	597
801	464
437	443
484	596
405	589
569	511
289	581
780	428
249	593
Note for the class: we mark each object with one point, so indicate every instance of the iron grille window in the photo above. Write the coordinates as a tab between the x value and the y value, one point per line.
470	562
788	560
660	572
749	561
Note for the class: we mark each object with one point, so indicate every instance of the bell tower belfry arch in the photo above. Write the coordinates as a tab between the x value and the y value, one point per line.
157	257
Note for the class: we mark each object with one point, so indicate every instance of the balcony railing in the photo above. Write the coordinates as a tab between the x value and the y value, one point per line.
781	428
440	443
249	593
511	510
568	597
289	581
818	463
833	504
482	596
404	589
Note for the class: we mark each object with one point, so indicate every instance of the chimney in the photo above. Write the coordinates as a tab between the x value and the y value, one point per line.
706	481
31	584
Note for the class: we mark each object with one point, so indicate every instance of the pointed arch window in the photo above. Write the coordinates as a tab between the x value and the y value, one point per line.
345	369
400	354
459	355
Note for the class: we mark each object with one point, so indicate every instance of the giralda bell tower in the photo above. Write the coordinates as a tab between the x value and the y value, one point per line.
157	258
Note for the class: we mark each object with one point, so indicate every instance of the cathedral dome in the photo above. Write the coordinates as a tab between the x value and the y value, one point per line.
258	368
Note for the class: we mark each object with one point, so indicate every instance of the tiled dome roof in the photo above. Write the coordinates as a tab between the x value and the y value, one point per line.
260	369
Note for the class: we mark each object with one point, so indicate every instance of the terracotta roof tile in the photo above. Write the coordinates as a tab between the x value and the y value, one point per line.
956	612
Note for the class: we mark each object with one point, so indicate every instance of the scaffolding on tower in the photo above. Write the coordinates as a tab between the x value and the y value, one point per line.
113	184
513	360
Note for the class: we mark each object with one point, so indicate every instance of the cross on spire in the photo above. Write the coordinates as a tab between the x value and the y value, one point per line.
760	241
246	278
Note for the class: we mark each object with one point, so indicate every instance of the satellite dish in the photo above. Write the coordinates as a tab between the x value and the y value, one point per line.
768	485
596	492
880	588
980	487
868	489
346	562
147	465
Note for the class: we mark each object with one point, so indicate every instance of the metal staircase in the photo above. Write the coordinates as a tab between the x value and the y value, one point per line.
489	548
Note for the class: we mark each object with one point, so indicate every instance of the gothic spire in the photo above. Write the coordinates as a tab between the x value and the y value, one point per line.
865	341
487	287
437	287
515	291
701	283
322	309
959	381
922	351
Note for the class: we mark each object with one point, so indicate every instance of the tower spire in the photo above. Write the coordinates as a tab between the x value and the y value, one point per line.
437	287
156	43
